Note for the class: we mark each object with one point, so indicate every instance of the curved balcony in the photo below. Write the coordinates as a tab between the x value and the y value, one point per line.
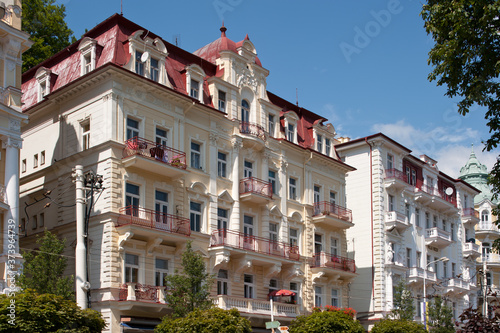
255	190
332	215
395	179
256	306
470	216
487	228
254	135
437	237
396	220
492	259
152	157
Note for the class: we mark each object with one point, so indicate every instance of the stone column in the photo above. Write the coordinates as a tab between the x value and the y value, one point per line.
11	196
234	223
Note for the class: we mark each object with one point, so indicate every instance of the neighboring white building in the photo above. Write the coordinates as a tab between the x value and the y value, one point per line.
13	42
408	216
190	147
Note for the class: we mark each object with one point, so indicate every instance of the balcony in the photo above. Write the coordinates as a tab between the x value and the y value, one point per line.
152	157
331	215
266	246
417	274
471	250
395	179
256	307
437	237
434	198
492	259
142	292
455	285
487	228
332	265
254	135
150	223
396	220
255	190
470	216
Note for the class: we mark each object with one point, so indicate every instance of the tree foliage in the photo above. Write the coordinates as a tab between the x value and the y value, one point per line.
213	320
44	21
440	316
46	313
43	269
191	289
398	326
403	307
472	321
326	321
466	59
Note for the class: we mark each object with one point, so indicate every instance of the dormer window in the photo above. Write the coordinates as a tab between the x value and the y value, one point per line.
290	135
324	135
195	88
328	147
290	126
319	143
222	101
149	57
43	76
154	69
139	65
87	50
194	81
271	124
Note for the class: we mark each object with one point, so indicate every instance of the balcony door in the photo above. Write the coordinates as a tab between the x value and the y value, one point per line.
318	248
247	169
245	111
317	199
161	206
248	238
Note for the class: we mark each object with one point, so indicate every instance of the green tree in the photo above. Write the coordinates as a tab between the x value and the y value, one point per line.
403	307
191	289
213	320
326	321
398	326
440	316
44	21
466	59
43	269
46	313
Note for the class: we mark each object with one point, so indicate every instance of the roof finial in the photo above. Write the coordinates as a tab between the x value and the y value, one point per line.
223	30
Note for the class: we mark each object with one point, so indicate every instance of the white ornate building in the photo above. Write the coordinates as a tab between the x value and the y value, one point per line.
13	42
410	218
191	146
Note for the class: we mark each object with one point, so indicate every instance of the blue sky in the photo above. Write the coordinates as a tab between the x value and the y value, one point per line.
361	64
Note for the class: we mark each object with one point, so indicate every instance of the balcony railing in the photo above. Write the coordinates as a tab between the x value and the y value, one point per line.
253	130
470	212
142	292
327	208
323	259
471	247
154	220
224	237
492	258
487	226
395	173
456	283
418	272
257	186
155	151
438	233
256	306
431	190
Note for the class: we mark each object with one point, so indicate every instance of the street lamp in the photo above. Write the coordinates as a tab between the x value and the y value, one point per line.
425	297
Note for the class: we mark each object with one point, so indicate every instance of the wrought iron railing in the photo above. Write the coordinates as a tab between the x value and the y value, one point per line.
256	186
155	151
323	259
252	129
328	208
149	218
395	173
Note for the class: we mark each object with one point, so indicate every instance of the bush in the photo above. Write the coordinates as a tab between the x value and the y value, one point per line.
214	320
330	320
398	326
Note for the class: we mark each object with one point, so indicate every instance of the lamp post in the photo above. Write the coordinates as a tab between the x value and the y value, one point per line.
425	296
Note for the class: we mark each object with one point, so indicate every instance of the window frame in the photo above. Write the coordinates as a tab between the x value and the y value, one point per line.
223	282
292	188
196	155
221	101
132	267
161	272
222	164
195	224
129	130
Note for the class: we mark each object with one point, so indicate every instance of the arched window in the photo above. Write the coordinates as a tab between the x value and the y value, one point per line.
485	216
245	111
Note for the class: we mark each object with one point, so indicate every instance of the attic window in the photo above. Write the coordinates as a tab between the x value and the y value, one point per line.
87	50
148	57
194	82
43	79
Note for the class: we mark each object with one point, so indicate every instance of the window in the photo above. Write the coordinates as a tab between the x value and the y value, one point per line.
131	268
292	188
87	63
42	158
294	237
34	222
445	225
408	175
485	216
488	279
35	161
334	246
248	286
390	162
291	133
318	243
248	228
466	234
427	221
245	112
445	269
413	177
161	271
271	124
222	282
466	201
154	69
318	296
41	222
247	169
195	89
161	206
273	286
333	195
419	259
408	212
428	262
328	147
391	203
221	164
453	269
417	217
195	215
452	231
408	257
319	143
132	128
335	300
316	194
272	180
273	233
222	101
85	135
87	50
195	155
222	220
139	65
23	166
132	199
294	286
161	137
434	221
43	89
